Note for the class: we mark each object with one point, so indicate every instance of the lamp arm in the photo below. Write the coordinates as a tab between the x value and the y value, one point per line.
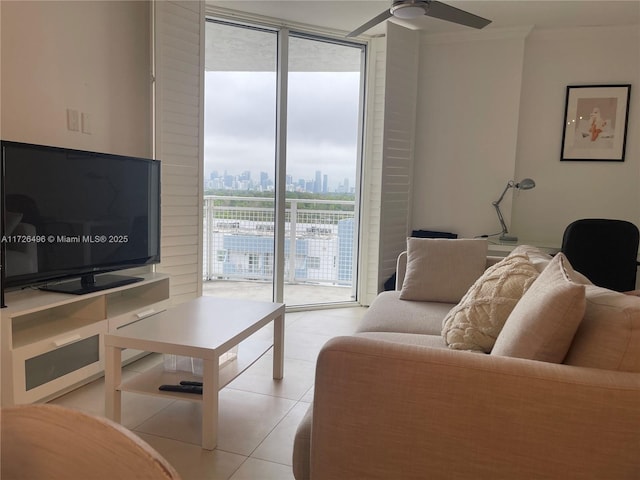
510	184
501	218
496	205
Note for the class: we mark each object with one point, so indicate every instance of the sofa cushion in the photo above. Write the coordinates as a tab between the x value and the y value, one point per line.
543	323
474	324
609	335
431	260
388	313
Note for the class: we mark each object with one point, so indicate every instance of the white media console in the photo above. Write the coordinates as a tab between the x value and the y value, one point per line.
53	342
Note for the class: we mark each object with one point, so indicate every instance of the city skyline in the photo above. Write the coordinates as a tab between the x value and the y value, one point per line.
248	181
322	126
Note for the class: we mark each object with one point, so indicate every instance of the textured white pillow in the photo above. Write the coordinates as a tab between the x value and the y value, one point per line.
540	260
543	323
537	257
442	270
476	322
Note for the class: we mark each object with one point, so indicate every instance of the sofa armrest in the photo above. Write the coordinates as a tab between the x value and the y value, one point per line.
401	269
387	410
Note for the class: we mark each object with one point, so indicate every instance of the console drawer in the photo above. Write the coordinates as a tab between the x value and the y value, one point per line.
46	367
137	314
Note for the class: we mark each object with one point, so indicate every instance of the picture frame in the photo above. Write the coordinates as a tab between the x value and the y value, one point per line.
595	123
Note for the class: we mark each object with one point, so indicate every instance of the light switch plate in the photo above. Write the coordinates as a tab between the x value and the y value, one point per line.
72	120
86	123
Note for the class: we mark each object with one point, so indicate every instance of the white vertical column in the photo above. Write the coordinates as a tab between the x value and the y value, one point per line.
281	163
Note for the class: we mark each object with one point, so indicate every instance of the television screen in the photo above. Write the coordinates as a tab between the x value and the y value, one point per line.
71	213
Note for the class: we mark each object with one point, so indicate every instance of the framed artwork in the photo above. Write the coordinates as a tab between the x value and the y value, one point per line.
595	123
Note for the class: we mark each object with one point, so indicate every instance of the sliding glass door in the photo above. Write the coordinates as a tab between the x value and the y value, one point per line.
239	161
323	124
321	155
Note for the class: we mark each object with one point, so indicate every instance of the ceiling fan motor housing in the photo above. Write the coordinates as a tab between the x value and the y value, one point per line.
409	8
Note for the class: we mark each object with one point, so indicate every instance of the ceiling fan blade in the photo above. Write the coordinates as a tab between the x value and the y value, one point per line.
371	23
452	14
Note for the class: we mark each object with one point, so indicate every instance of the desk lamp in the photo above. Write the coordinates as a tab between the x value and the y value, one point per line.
526	184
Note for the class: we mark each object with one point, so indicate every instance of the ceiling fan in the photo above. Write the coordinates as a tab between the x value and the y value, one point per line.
407	9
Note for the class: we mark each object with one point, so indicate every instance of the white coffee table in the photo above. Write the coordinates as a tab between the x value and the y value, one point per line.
205	328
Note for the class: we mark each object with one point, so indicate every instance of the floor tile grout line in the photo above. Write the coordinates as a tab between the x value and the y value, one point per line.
171	403
274	427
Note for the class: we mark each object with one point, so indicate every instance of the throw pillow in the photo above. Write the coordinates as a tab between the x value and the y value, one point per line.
543	323
540	260
474	324
442	270
537	257
609	335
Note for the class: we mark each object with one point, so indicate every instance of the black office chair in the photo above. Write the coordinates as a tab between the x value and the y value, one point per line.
603	250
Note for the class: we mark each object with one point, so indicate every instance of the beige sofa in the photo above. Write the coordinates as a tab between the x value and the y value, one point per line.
394	401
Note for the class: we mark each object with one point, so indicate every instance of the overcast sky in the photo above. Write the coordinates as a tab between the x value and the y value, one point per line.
322	124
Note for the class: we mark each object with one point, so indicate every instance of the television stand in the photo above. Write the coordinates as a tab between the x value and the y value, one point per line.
90	283
51	343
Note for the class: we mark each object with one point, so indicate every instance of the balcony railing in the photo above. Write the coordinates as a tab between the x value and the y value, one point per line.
239	239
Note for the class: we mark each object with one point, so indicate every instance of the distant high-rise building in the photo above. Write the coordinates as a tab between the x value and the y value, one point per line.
325	184
317	186
264	180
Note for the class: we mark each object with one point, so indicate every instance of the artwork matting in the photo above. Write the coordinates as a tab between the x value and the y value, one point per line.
595	123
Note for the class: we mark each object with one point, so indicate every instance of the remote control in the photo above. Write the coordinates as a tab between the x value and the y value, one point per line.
191	382
182	388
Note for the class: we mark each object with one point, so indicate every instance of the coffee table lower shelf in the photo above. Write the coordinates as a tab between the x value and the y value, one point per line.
147	383
204	328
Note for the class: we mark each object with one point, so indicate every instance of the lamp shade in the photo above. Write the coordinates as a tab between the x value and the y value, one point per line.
526	184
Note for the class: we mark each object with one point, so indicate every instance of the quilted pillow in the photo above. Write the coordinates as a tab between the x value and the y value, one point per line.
442	270
474	324
537	257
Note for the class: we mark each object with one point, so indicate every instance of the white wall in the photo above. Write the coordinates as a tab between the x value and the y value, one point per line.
491	109
567	191
92	57
468	97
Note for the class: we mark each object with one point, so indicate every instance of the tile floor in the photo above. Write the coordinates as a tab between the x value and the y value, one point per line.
258	416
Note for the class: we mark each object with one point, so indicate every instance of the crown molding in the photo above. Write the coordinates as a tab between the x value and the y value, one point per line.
490	34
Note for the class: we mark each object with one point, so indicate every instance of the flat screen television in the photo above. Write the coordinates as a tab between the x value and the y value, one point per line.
70	216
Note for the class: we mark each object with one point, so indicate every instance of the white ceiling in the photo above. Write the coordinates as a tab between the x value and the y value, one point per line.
347	15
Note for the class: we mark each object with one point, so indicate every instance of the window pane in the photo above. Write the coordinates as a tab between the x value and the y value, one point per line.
239	156
322	163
